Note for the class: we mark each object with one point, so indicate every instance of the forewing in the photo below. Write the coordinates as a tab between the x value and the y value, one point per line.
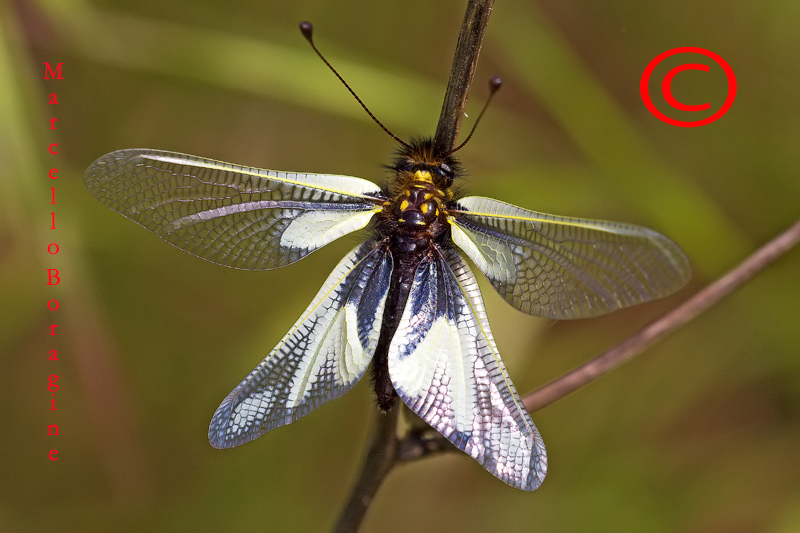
236	216
319	359
444	364
561	267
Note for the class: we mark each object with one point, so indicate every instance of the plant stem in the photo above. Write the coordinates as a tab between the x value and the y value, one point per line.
381	455
378	461
461	74
644	338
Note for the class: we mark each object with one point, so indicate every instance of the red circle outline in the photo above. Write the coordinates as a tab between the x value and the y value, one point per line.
648	102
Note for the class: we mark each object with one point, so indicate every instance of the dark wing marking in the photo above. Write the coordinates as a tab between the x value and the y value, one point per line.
444	365
320	358
561	267
235	216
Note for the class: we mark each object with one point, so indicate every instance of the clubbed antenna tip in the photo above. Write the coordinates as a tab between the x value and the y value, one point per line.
307	30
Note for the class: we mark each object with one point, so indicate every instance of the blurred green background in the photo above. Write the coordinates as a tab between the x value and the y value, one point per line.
701	433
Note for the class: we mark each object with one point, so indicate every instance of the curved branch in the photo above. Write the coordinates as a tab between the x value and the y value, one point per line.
644	338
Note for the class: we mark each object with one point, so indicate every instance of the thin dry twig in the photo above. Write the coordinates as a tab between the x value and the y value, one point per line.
650	334
381	455
464	62
379	460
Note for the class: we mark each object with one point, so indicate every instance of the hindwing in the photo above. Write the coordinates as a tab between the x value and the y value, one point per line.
444	365
321	357
560	267
236	216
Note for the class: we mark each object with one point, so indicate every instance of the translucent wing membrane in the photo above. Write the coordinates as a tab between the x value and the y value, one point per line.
323	355
444	364
236	216
561	267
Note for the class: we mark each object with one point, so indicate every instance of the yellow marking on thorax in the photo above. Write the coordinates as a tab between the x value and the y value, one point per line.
423	175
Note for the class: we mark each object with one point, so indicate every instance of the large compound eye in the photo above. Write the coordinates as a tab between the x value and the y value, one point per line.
445	171
404	166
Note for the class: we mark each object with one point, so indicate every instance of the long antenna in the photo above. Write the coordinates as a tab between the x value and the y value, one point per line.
494	86
307	30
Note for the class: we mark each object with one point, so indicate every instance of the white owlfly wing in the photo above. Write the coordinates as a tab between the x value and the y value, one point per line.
444	365
560	267
321	357
236	216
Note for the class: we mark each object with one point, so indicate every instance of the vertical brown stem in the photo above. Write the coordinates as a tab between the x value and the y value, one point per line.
379	460
381	455
464	62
